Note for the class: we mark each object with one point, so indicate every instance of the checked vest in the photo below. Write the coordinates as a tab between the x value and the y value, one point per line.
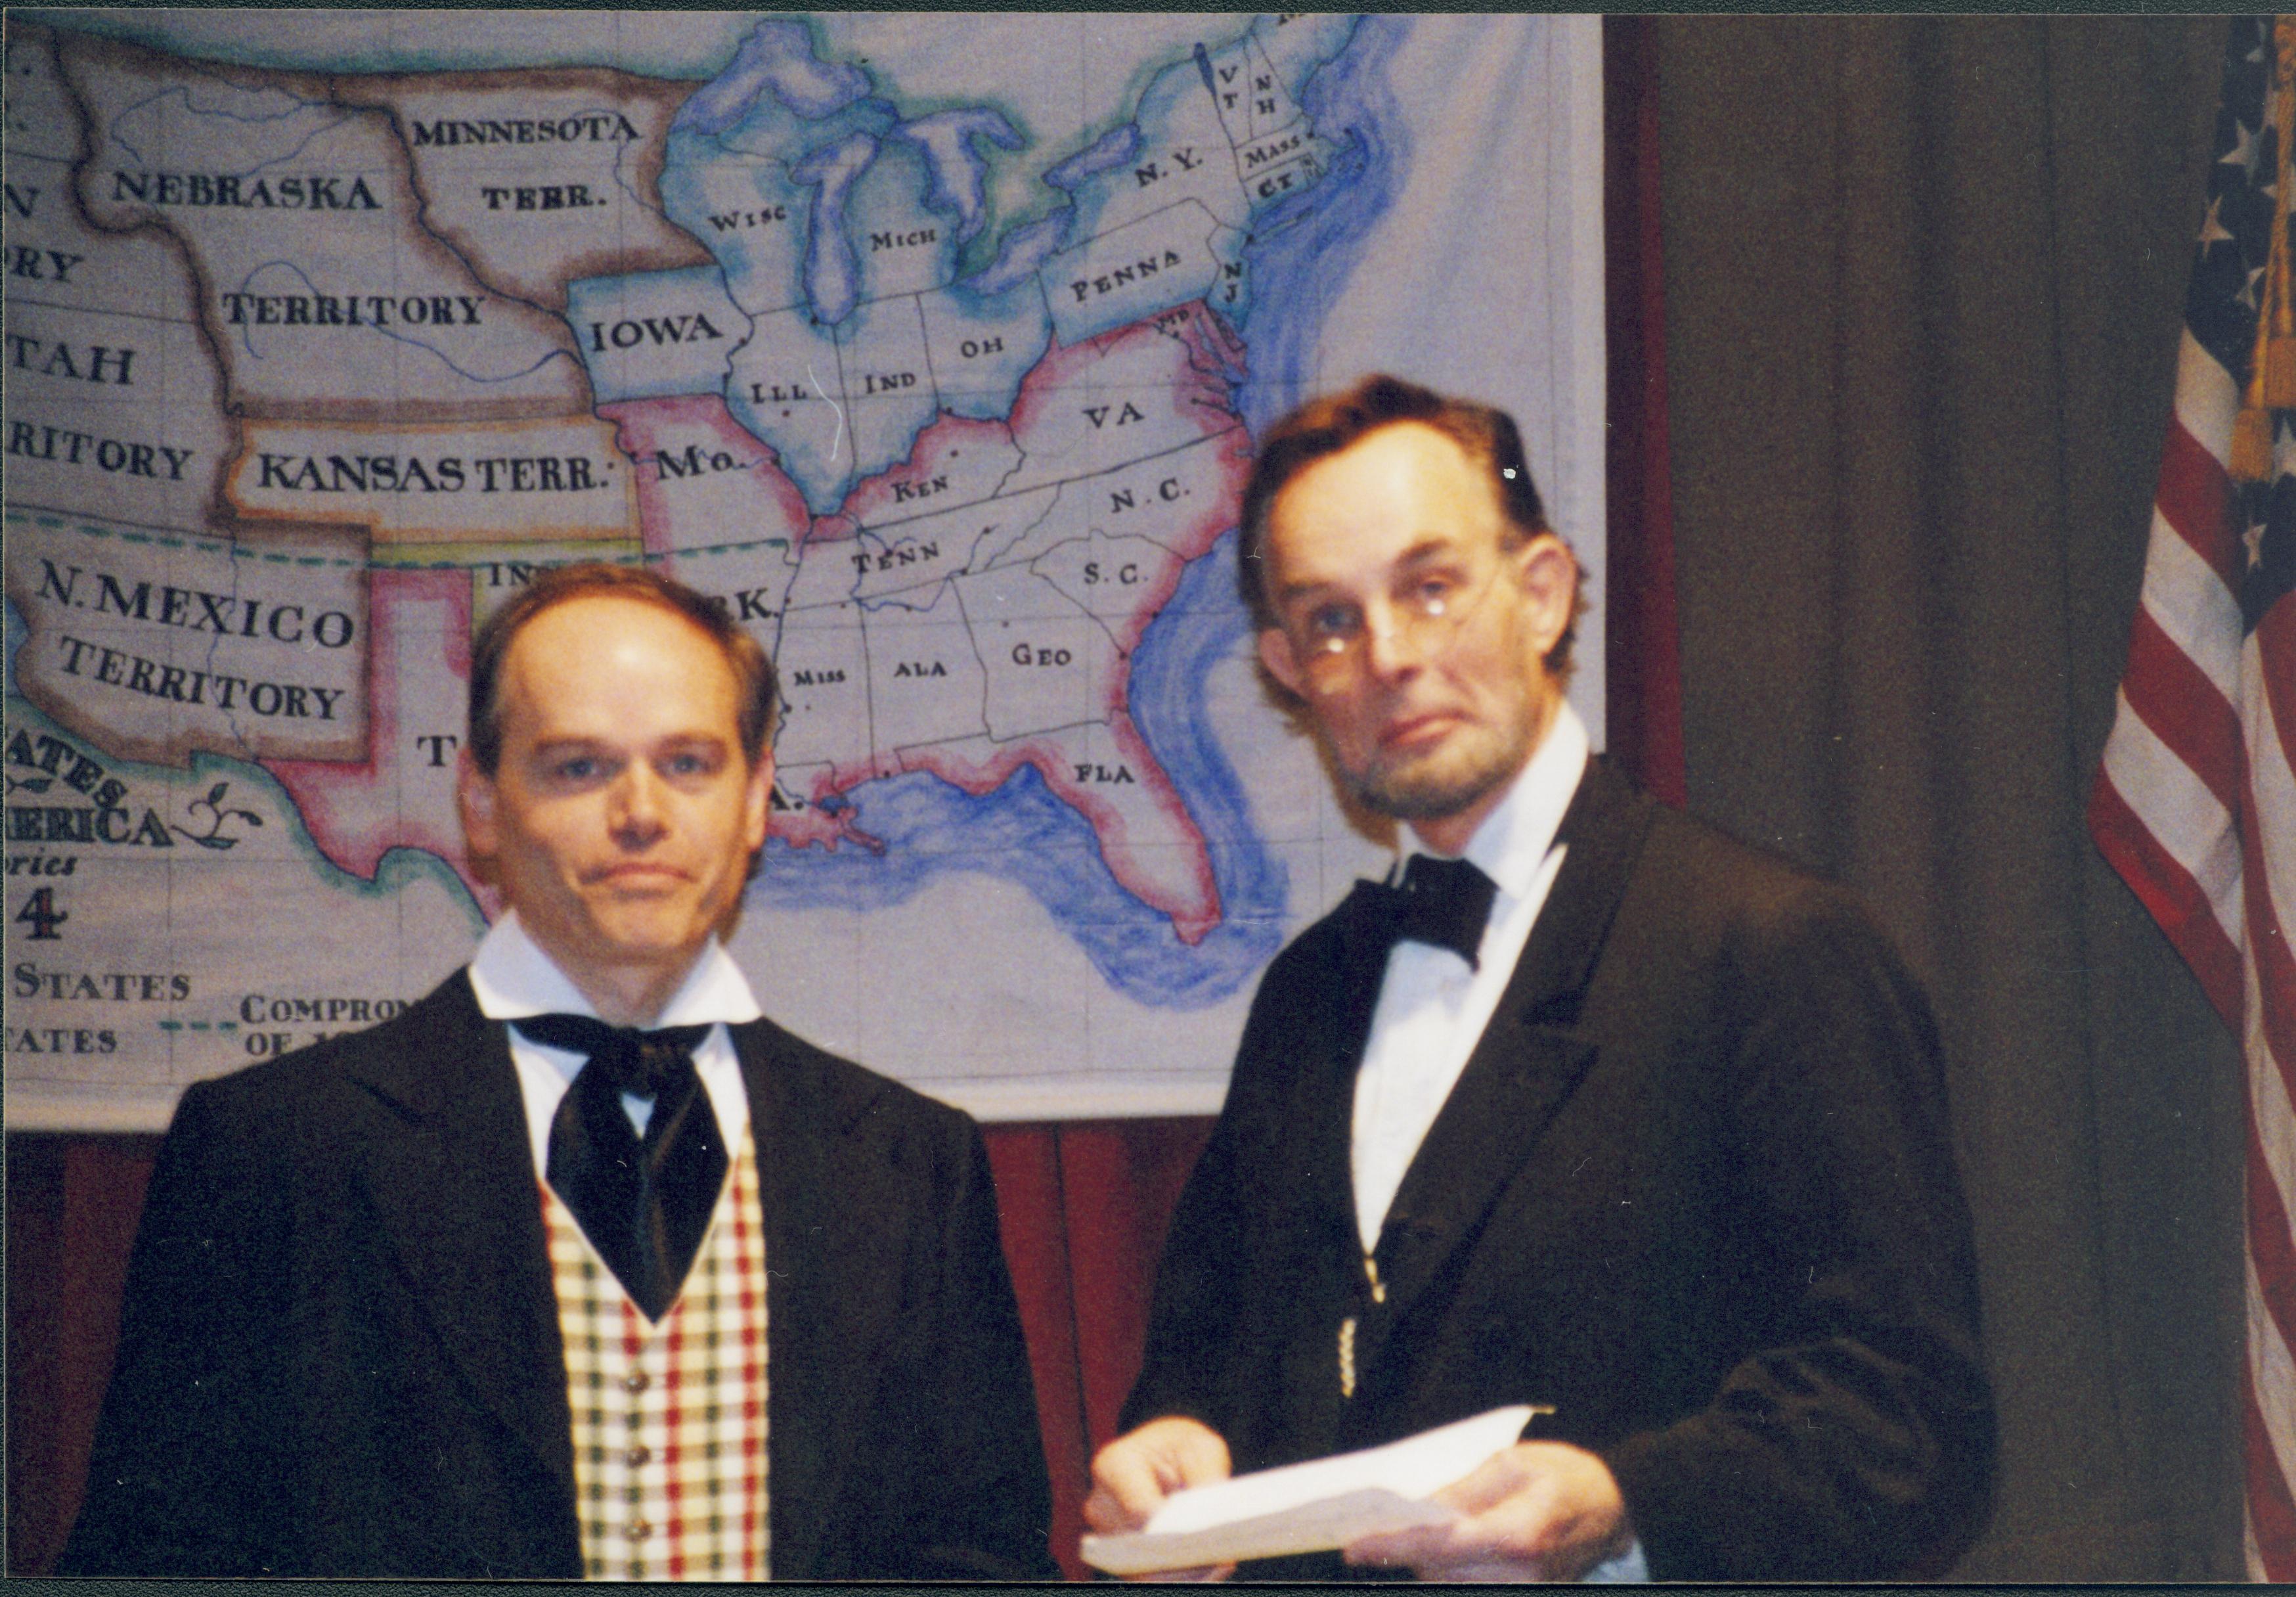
669	1417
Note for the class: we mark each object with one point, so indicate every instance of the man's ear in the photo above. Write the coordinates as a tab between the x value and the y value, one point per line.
758	802
1275	655
1549	574
474	802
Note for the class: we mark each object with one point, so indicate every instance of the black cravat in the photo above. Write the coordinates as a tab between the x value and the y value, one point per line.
1445	903
644	1204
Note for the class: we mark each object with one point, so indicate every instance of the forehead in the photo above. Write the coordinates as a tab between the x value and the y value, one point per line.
606	662
1402	490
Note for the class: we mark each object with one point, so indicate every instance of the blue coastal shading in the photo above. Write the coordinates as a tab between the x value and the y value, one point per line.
832	273
960	176
712	197
1111	149
776	122
1076	211
1022	832
1304	247
776	56
1188	257
1202	624
395	872
985	385
1026	248
905	244
1204	69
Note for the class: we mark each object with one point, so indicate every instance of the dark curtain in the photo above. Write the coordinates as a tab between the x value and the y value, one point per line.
1925	279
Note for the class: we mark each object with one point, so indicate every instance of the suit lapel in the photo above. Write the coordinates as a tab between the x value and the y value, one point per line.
788	1189
446	1160
829	1298
1528	1059
1334	1044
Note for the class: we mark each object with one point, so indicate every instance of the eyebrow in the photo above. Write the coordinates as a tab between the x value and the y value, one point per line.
710	744
1427	551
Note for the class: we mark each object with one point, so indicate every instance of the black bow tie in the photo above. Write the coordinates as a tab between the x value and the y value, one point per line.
639	1063
1445	902
645	1205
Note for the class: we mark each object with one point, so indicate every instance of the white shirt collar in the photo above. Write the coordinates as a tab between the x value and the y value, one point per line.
513	977
1514	838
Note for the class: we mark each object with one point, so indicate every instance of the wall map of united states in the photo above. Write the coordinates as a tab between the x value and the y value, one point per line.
942	395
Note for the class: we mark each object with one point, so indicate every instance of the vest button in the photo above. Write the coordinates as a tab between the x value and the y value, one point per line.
637	1455
635	1381
639	1530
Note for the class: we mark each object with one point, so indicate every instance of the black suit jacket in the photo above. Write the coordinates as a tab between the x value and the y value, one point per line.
340	1357
1693	1188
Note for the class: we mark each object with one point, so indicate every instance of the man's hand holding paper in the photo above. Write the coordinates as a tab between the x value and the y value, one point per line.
1540	1510
1132	1477
1200	1528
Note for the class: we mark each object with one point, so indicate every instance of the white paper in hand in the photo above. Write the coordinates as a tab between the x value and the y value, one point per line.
1312	1507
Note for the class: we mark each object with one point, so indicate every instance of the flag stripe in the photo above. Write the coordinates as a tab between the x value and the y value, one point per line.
2271	675
2172	803
2272	1133
2206	403
2271	1377
2273	1259
2271	1511
2196	723
2270	1382
2194	498
2188	597
2170	895
2273	812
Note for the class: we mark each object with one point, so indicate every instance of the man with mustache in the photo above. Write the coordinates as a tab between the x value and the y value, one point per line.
1591	1108
580	1266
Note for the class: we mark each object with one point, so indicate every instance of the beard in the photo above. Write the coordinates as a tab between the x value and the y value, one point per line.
1441	782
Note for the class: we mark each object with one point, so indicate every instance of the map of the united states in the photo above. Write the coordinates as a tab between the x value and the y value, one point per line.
307	369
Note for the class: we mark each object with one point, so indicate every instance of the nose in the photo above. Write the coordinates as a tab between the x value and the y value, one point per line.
1391	645
636	813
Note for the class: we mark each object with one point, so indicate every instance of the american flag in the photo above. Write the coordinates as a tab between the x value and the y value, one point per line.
2197	802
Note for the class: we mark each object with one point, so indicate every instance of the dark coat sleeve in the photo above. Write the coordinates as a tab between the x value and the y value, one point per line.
1852	1438
187	1476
